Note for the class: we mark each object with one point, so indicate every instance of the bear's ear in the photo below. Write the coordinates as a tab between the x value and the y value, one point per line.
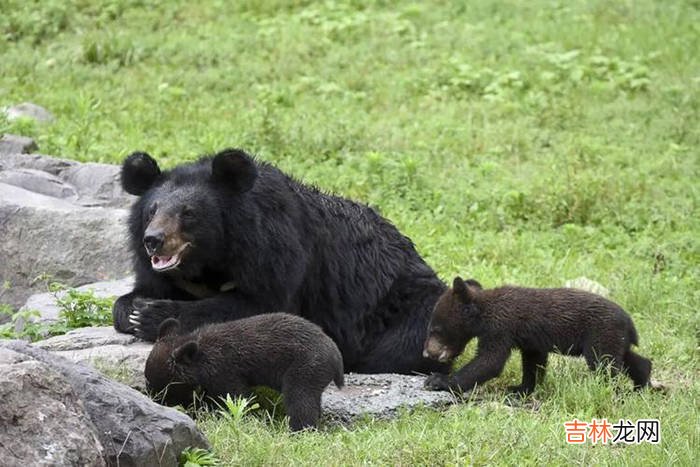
169	327
139	172
235	169
474	283
186	352
460	289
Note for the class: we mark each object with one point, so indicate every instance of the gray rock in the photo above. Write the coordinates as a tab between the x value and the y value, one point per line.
45	303
15	197
41	234
98	184
118	356
94	184
584	283
28	110
88	338
40	182
379	396
14	144
42	420
17	160
132	430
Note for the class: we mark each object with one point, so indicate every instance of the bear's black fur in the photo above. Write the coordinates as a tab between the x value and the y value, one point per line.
228	237
535	321
281	351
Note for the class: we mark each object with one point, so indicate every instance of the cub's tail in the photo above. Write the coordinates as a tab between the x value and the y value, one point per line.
339	378
632	333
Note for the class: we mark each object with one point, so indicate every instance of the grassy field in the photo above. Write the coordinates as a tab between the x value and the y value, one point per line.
521	142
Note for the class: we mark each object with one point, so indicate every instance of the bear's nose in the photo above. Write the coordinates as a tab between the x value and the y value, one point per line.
153	241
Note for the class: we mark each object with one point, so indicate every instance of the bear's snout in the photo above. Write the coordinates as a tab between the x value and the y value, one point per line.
436	350
153	241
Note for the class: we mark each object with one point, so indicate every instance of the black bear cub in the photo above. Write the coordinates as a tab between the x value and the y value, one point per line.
535	321
282	351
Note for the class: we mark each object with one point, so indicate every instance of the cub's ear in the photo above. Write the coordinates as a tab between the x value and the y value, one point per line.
169	327
474	283
461	290
139	172
186	352
234	169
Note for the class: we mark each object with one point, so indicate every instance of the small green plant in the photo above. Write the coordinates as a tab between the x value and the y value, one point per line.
23	325
233	410
197	457
81	309
76	310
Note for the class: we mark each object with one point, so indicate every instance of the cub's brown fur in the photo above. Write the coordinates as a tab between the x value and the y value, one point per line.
535	321
278	350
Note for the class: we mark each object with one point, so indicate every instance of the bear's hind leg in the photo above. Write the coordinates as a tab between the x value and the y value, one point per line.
604	356
534	367
303	408
302	399
637	368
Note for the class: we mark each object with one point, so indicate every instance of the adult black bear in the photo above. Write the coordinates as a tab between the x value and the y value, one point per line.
228	237
536	321
278	350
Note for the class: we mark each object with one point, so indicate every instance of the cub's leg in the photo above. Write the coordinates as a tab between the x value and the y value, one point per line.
491	357
534	367
637	368
301	400
605	350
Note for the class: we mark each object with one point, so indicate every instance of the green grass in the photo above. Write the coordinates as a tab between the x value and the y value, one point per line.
76	309
521	142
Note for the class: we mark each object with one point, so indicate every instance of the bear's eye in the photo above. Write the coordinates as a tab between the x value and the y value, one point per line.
152	210
188	212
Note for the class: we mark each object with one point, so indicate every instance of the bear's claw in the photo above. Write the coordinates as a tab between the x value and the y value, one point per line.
148	314
437	382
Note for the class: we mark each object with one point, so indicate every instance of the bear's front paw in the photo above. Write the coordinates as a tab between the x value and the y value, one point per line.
437	382
121	313
147	314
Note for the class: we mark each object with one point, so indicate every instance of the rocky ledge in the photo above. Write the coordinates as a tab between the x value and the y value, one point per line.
55	412
58	217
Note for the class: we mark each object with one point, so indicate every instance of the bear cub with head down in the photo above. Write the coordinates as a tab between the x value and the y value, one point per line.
535	321
278	350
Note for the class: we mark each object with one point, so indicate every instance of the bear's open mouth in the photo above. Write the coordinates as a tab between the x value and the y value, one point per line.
444	356
163	263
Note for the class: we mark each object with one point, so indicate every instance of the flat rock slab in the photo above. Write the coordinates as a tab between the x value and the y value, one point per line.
88	338
119	356
380	396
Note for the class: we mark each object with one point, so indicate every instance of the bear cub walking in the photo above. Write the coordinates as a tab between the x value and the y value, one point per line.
535	321
282	351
